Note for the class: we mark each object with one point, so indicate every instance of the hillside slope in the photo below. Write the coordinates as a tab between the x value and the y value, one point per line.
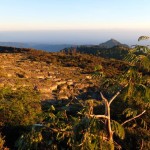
54	75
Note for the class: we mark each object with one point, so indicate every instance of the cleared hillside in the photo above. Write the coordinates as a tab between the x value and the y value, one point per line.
54	75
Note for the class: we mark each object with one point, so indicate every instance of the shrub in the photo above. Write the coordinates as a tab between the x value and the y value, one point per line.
21	107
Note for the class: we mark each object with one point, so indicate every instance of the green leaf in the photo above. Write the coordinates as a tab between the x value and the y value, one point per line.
118	129
52	108
130	112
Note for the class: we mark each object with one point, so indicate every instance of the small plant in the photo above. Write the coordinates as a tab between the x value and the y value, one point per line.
2	142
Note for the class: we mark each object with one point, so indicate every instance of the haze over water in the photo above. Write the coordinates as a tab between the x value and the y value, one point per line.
76	37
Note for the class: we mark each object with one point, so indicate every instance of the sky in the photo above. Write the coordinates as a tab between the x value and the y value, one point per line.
73	21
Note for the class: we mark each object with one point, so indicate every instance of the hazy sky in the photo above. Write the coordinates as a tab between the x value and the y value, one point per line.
56	20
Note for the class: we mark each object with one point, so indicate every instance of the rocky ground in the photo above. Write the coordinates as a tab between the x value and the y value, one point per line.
51	80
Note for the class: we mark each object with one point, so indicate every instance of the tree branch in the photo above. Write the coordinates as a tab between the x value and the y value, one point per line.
133	118
106	103
103	98
112	99
99	116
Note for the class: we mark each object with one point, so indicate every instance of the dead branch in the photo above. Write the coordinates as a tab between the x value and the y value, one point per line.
106	103
103	98
113	98
133	118
99	116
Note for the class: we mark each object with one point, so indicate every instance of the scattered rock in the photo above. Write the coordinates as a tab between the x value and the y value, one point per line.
9	75
18	71
60	82
70	82
40	76
88	77
62	97
53	87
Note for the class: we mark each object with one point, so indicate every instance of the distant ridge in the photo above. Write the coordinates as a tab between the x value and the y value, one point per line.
58	47
111	43
38	46
110	49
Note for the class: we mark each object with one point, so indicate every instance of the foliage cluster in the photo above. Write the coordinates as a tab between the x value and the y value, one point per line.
19	107
18	111
117	52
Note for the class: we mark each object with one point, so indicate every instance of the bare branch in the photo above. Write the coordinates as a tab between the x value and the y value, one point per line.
133	118
99	116
142	145
106	103
103	98
116	95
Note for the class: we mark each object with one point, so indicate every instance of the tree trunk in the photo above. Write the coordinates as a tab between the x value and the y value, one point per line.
110	132
108	121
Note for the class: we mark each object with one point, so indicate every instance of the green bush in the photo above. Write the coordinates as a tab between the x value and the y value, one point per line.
21	107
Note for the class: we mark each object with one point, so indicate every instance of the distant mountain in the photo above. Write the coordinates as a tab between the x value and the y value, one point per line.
109	49
46	47
58	47
111	43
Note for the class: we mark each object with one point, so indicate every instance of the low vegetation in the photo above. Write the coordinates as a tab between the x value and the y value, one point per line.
116	118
